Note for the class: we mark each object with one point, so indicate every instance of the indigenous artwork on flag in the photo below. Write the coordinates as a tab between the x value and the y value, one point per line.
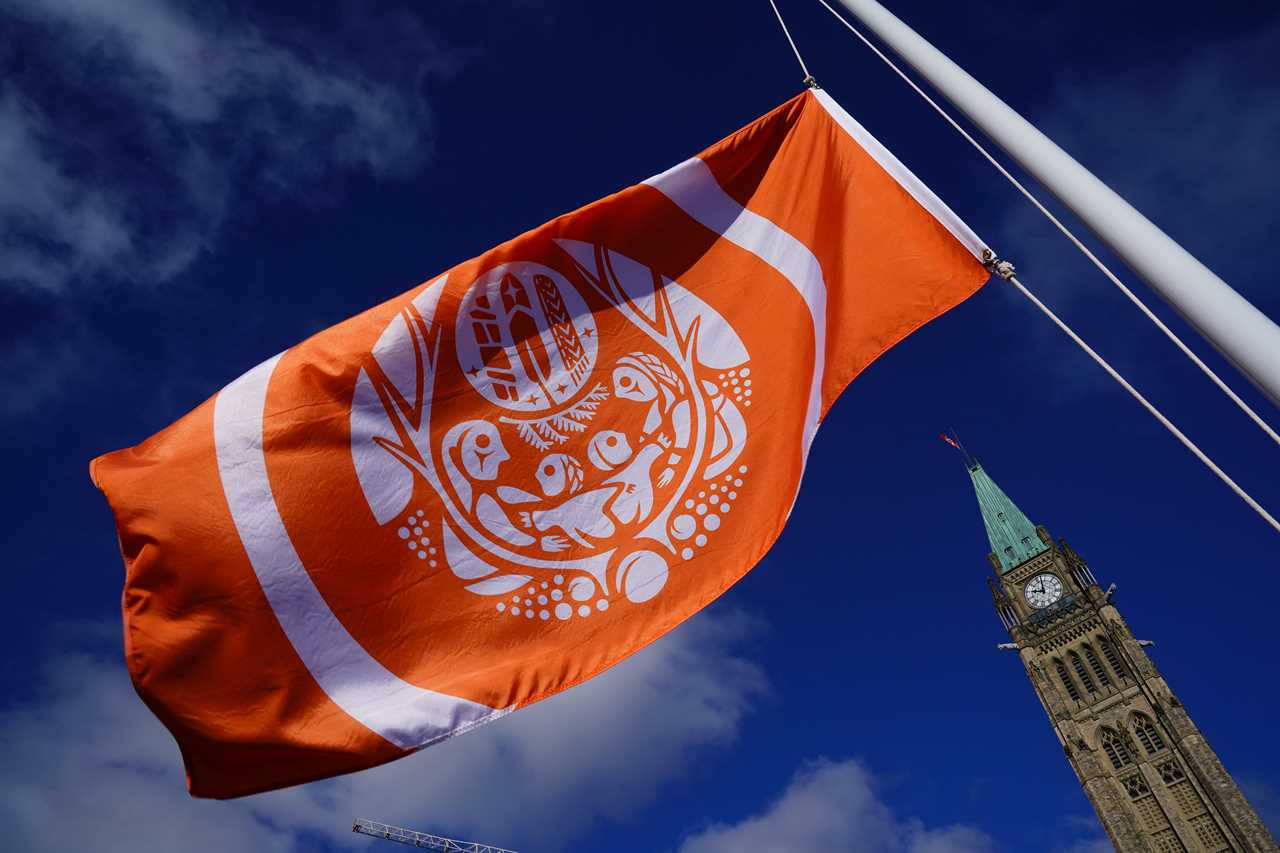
592	467
500	483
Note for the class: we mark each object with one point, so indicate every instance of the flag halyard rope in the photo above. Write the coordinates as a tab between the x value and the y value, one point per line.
1005	270
808	78
1066	232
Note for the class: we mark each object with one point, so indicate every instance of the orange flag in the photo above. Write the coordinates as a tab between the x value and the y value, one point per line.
504	481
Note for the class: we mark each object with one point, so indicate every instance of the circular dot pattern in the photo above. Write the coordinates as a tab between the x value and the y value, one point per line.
420	545
736	384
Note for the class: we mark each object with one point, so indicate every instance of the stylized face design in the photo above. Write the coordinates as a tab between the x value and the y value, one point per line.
482	450
558	473
630	383
608	449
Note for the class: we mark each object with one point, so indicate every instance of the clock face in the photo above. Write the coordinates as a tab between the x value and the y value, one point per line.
1042	590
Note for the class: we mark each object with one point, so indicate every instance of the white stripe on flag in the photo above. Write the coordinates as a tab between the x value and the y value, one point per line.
695	190
904	176
406	715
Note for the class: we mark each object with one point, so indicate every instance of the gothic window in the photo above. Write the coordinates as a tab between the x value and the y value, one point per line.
1166	841
1109	652
1026	542
1170	772
1136	786
1115	748
1147	734
1065	678
1085	678
1209	834
1151	815
1008	550
1096	666
1189	802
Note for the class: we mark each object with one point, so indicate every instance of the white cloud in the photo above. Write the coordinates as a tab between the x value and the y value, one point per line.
84	759
1099	844
834	806
44	210
162	111
1079	833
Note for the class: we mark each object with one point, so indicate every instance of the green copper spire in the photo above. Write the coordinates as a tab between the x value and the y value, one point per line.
1013	537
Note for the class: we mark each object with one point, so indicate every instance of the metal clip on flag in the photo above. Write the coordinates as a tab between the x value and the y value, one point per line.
502	482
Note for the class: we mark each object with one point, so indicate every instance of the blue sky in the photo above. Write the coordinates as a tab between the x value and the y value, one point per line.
186	189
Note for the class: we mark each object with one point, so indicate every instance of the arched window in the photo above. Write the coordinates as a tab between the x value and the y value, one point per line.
1148	734
1081	672
1096	666
1170	772
1115	748
1109	652
1065	678
1136	786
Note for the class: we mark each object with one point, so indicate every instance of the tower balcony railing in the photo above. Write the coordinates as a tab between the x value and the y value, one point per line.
1045	617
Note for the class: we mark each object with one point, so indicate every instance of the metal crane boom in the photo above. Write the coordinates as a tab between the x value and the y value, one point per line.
422	840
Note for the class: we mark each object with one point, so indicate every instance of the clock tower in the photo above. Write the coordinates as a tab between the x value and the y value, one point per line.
1156	784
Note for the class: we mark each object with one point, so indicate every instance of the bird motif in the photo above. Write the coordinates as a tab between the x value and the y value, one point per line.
580	518
627	495
478	446
635	486
644	378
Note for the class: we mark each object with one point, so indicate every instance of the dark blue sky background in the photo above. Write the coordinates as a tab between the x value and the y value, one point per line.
188	189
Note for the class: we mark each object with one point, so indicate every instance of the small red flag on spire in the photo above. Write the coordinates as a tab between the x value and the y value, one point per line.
951	441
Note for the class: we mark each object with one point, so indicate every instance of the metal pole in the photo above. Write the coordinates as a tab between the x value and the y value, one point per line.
1242	333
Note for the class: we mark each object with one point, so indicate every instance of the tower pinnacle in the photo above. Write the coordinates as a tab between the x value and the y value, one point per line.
1013	537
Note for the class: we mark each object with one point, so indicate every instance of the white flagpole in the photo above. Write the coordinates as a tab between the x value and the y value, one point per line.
1242	333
